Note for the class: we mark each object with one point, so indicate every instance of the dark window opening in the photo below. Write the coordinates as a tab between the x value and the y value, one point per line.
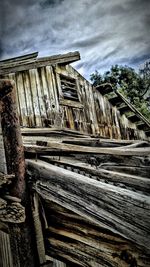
69	88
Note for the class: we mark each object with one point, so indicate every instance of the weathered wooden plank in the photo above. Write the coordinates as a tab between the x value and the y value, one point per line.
139	171
45	131
42	108
52	94
71	103
22	100
122	211
58	82
3	167
123	179
21	59
97	142
34	99
38	229
70	149
5	250
72	237
41	62
28	95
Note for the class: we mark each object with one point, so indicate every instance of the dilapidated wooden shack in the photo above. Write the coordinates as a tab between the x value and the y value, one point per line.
74	169
50	92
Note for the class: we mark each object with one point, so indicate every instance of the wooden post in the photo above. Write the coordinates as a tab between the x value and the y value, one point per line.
12	136
20	234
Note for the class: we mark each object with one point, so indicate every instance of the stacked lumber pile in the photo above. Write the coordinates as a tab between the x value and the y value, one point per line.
92	195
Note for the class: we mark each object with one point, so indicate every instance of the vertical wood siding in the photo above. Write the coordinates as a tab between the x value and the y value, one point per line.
39	98
5	251
3	166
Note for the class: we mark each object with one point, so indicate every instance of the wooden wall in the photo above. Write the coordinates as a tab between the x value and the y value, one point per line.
41	104
3	167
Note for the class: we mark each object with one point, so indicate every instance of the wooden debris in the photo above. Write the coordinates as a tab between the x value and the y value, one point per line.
103	204
73	149
38	229
71	237
51	131
102	173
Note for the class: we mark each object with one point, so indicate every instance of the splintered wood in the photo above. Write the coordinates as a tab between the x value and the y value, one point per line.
95	198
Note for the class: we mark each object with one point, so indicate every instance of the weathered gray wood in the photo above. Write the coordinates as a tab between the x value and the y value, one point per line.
18	59
41	62
138	171
71	103
96	142
143	151
136	182
5	251
38	229
51	131
132	108
72	237
122	211
3	167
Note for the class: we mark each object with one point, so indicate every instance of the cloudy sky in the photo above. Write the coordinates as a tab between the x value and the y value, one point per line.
105	32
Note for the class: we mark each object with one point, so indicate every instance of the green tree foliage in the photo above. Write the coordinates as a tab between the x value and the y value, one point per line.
132	85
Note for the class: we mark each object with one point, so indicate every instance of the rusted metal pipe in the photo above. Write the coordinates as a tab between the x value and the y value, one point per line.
13	144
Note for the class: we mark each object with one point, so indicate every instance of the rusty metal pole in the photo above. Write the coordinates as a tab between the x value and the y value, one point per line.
13	144
21	238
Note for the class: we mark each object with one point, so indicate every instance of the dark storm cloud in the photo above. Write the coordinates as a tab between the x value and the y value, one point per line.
105	32
47	3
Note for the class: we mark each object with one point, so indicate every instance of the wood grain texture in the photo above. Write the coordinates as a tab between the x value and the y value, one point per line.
32	63
122	211
73	238
143	151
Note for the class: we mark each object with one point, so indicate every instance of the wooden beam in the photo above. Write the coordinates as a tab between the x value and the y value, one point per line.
109	173
70	103
52	131
53	147
98	142
6	63
41	62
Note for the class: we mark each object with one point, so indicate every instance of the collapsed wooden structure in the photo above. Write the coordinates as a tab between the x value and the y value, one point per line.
84	197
